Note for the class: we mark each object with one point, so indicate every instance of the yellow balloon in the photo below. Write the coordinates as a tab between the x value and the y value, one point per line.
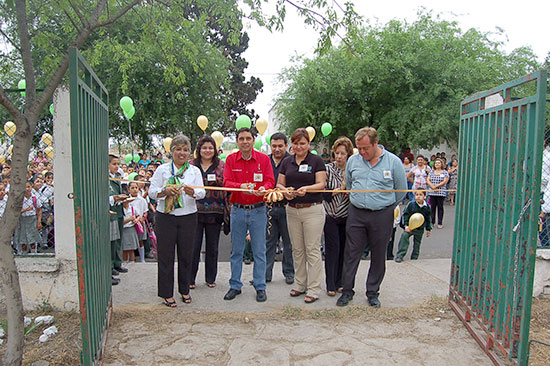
218	137
311	132
10	149
355	151
166	143
2	159
396	213
47	139
10	128
202	121
261	125
234	151
49	152
416	220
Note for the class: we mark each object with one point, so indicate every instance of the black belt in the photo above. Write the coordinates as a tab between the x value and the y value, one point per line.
249	207
278	204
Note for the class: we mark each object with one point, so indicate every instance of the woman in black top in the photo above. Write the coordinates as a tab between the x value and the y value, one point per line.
303	172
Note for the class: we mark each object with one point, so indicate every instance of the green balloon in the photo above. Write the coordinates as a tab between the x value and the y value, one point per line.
22	84
258	143
268	139
51	109
136	158
243	121
222	156
314	152
326	129
126	103
130	113
132	176
128	158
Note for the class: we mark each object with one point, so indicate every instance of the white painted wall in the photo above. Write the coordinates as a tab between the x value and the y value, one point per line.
54	279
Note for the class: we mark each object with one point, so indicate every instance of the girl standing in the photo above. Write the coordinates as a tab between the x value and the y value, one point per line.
27	232
453	180
437	180
141	208
129	237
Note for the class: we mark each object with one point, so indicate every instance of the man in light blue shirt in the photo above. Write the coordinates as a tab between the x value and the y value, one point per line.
370	214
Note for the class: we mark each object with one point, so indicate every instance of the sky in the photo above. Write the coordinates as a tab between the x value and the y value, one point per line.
269	53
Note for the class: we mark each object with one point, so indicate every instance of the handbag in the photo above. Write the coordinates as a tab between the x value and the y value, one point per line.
138	226
152	238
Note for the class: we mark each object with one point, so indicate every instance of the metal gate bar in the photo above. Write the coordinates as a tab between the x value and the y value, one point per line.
498	203
89	136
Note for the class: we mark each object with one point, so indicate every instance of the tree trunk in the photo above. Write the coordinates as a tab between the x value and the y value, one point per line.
9	277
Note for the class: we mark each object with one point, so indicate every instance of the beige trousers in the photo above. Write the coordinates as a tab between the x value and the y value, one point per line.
305	226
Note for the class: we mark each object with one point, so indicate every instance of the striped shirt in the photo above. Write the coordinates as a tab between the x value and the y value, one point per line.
337	205
420	176
438	179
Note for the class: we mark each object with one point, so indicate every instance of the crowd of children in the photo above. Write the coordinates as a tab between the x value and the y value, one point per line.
34	232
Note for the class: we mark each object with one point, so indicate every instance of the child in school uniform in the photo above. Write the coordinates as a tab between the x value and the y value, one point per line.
3	199
140	207
419	205
27	231
129	237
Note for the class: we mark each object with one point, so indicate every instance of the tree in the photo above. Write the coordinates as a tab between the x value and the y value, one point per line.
405	79
39	34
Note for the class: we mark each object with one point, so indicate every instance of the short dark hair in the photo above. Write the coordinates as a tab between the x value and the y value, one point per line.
111	157
298	134
422	191
279	136
245	129
420	156
203	140
138	176
132	182
48	174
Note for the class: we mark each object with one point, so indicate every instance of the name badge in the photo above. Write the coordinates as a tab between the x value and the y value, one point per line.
387	174
303	168
211	177
258	177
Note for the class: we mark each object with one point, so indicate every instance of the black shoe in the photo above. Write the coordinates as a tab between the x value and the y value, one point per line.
114	272
398	260
261	296
289	280
390	258
344	299
231	294
114	281
251	282
247	261
374	302
121	269
267	281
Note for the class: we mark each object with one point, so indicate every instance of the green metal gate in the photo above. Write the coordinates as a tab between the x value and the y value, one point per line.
90	135
498	203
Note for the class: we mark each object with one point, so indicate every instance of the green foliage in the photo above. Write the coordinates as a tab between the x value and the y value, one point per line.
405	79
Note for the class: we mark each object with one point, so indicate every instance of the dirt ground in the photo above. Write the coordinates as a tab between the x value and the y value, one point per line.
426	334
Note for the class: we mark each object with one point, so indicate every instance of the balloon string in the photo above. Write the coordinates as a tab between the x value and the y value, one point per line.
216	188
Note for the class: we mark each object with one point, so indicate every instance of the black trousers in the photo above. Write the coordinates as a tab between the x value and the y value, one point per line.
374	227
174	234
335	241
436	204
212	236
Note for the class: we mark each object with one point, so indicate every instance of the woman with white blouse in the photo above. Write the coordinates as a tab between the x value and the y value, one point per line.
176	218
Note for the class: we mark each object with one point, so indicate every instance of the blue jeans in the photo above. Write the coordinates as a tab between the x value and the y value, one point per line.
242	222
409	195
278	229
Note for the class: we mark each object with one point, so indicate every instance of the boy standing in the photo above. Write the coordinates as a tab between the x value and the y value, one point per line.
419	205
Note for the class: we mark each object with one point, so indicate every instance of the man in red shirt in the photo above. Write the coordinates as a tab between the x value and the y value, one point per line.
248	169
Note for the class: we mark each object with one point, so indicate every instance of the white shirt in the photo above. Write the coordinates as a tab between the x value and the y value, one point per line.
3	203
140	205
192	177
127	214
545	175
29	202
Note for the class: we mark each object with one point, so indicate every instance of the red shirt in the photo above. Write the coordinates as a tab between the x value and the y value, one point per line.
256	170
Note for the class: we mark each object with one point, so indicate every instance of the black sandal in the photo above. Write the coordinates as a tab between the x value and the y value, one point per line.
170	304
186	300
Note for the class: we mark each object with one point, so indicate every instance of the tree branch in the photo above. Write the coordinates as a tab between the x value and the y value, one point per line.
10	40
118	16
26	55
72	21
6	102
85	24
